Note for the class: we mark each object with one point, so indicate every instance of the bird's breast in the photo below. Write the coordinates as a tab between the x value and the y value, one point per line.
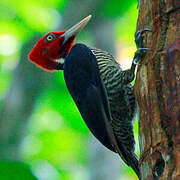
110	72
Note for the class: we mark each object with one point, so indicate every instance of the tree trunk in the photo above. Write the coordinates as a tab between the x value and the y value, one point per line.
157	90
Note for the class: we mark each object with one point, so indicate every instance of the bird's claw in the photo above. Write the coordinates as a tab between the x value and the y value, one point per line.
139	36
141	50
140	32
139	55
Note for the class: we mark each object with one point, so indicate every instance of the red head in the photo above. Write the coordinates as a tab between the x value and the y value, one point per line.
54	46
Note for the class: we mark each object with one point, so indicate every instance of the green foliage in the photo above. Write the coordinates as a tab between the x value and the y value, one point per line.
126	26
15	171
57	137
22	18
115	8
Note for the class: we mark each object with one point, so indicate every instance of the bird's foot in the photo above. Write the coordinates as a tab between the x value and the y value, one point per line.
139	54
139	36
141	51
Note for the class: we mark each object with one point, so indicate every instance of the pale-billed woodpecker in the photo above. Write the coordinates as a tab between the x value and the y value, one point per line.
97	84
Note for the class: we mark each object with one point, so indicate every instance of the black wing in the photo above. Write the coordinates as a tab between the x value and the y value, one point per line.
87	89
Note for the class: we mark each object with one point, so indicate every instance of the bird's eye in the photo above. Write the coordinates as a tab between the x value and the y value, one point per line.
50	37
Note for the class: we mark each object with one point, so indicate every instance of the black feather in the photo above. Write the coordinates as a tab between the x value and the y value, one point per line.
86	88
83	80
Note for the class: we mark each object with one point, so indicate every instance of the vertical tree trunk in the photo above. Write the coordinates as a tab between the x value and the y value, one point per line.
157	90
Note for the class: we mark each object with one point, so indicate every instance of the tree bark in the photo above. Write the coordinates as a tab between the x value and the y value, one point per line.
157	90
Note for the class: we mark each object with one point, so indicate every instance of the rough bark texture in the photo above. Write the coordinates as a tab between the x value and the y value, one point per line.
157	90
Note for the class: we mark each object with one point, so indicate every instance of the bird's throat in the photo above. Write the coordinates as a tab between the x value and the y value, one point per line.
60	62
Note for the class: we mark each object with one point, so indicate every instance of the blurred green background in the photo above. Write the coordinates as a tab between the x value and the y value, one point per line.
42	135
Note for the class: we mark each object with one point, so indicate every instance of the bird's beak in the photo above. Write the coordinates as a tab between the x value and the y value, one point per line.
73	31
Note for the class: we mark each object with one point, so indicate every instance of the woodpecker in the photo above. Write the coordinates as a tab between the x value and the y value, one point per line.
99	87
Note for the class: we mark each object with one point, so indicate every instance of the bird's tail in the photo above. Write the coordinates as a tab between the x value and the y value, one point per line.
134	163
129	158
